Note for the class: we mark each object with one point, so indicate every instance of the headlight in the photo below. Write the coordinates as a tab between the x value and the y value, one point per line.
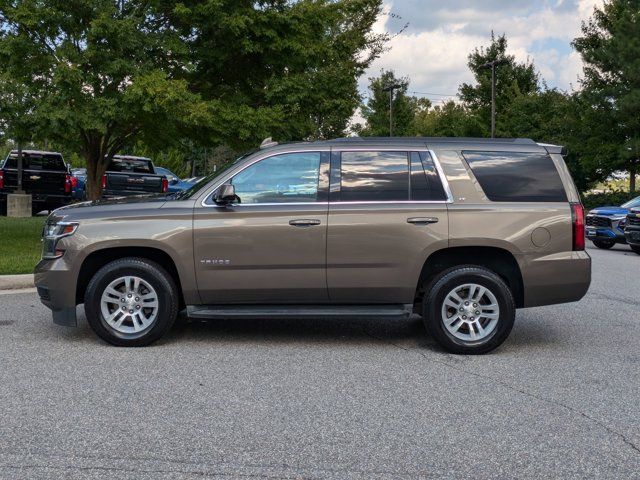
51	234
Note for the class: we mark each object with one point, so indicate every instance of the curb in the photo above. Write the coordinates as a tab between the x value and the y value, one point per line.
13	282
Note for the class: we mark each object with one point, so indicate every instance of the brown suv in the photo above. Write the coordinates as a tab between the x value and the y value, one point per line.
460	231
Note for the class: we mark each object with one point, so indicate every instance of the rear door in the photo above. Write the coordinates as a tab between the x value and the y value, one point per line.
387	213
270	247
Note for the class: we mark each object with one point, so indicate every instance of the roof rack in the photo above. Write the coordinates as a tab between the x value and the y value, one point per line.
526	141
267	142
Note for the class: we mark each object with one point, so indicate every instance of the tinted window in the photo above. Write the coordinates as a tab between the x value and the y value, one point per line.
34	161
632	203
425	183
291	177
374	176
130	165
517	177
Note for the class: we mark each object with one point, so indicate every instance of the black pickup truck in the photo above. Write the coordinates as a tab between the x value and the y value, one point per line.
45	176
129	175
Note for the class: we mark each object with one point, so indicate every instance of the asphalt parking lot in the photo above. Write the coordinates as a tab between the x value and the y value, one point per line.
329	399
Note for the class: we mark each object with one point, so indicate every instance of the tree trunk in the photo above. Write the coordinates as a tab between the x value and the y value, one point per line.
632	177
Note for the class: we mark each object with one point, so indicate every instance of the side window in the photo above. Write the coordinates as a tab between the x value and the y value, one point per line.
374	176
517	177
425	182
290	177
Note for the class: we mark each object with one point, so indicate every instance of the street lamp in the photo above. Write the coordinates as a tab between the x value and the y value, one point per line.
492	65
390	89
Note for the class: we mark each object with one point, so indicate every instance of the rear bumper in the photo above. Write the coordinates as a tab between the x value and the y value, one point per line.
55	284
43	198
557	278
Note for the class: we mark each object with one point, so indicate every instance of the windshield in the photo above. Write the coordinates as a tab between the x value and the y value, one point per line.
635	202
190	192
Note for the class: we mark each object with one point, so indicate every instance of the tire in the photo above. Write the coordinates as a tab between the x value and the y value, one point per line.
138	325
635	248
496	325
604	244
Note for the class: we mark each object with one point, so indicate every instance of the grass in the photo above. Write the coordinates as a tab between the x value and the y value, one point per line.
19	244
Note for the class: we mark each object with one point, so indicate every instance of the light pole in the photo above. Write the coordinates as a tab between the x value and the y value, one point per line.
492	65
390	89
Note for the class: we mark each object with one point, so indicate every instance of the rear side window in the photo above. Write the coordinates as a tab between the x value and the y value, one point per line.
516	177
425	183
374	176
130	165
31	161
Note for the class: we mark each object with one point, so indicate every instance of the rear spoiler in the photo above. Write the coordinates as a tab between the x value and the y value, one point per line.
554	148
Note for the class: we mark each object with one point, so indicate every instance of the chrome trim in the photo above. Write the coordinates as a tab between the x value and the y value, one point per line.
266	154
443	177
434	158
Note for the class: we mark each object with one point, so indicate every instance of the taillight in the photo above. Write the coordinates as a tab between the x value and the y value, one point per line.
165	184
1	178
74	182
104	181
67	184
577	221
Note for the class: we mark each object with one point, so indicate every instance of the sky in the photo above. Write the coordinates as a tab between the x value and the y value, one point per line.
432	50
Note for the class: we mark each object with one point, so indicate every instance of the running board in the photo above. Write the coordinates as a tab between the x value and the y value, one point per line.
275	311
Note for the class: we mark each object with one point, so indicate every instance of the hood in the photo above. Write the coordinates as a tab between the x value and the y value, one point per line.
153	200
609	211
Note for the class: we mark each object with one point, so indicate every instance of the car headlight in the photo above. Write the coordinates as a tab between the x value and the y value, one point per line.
51	235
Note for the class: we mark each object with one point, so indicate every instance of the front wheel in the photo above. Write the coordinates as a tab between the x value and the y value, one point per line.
469	310
131	302
604	244
635	248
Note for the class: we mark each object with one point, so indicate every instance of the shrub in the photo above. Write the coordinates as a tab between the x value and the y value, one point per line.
613	197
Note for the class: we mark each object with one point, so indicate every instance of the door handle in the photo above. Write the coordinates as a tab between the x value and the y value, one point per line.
304	222
422	220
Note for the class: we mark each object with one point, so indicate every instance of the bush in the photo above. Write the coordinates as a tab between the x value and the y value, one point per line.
613	197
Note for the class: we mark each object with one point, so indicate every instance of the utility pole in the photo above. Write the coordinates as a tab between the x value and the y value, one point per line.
390	89
492	65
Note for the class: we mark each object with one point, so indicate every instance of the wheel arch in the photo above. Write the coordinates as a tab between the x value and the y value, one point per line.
498	260
99	258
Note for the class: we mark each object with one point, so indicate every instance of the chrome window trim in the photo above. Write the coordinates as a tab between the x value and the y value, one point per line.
233	173
434	158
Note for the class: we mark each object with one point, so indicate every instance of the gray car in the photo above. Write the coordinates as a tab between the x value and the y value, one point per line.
459	231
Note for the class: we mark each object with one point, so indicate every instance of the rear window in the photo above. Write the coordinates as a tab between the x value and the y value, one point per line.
516	177
130	165
35	161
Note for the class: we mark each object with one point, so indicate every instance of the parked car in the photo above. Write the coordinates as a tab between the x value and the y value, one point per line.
45	176
605	225
175	183
632	229
461	231
129	175
79	187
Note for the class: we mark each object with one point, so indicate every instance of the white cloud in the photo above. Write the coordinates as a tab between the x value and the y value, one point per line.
433	50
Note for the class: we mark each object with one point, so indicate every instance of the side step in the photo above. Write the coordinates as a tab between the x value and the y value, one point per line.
275	311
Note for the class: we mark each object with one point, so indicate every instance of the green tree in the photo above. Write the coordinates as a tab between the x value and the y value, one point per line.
512	79
103	73
376	110
278	68
452	119
610	49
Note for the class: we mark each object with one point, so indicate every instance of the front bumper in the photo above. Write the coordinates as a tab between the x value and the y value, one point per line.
607	234
632	235
56	286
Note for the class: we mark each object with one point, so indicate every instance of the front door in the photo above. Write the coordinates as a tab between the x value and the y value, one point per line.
270	247
387	213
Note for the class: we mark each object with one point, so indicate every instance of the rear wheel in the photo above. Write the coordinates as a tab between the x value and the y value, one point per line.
468	310
604	244
635	248
131	302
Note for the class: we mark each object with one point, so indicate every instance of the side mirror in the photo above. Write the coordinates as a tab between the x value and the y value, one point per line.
225	195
